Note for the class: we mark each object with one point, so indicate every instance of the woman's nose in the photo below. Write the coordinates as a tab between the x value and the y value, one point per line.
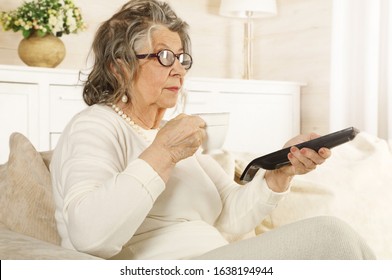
178	68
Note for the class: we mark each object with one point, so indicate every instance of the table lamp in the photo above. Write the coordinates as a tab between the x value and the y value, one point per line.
248	9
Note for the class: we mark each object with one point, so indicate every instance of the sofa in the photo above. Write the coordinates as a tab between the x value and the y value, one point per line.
355	184
27	224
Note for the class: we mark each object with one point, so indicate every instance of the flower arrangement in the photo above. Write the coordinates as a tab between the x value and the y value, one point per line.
56	17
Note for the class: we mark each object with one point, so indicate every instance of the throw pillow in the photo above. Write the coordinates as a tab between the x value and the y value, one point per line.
353	185
26	202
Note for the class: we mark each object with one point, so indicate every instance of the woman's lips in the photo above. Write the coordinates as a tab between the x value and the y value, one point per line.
173	89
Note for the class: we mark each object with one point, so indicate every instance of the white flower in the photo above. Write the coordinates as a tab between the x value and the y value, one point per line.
69	13
71	22
52	20
58	27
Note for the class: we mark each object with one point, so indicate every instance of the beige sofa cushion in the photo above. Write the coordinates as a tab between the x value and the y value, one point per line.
353	185
26	202
16	246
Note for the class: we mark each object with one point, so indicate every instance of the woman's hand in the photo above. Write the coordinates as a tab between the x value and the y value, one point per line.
305	159
302	161
178	139
181	136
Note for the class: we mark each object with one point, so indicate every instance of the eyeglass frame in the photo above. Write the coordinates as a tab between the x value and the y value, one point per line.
142	56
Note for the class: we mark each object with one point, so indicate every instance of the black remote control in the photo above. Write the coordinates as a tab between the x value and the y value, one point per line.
279	158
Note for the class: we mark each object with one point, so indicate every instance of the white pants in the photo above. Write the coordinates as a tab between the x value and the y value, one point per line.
319	238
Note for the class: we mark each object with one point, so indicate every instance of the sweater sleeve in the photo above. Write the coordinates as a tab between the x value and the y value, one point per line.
104	195
243	206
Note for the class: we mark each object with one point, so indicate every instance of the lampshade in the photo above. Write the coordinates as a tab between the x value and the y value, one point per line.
245	8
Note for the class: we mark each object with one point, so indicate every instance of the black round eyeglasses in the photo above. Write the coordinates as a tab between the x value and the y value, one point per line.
167	58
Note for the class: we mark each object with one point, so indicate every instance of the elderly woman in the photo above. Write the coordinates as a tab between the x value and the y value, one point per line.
126	185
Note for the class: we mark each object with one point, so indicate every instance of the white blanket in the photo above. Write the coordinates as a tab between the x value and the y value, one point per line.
355	184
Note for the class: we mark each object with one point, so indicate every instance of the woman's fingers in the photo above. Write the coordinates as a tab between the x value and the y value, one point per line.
305	160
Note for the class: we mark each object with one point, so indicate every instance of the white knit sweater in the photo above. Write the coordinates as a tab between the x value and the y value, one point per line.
109	202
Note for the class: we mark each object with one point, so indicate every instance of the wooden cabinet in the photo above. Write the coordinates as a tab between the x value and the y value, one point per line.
39	102
19	111
32	102
263	114
64	102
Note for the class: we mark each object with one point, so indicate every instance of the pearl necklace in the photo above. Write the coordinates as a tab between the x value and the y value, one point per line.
125	117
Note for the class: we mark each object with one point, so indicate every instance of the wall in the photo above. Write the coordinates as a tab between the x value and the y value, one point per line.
294	46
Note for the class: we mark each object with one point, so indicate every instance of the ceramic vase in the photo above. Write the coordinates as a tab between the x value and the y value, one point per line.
46	51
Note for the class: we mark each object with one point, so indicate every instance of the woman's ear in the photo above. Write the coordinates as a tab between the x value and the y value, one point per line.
120	71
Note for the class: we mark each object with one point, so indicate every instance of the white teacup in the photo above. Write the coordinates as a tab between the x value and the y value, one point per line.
216	130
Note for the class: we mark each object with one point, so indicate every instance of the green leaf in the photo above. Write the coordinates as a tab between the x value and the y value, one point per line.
41	33
26	33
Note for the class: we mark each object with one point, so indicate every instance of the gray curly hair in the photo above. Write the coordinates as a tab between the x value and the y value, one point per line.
118	39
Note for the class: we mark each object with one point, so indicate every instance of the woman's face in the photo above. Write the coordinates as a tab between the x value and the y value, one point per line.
157	87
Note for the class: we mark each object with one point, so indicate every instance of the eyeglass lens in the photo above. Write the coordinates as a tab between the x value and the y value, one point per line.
167	58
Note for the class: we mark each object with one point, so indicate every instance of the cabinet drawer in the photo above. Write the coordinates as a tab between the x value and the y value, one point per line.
53	139
259	123
65	102
197	101
19	112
